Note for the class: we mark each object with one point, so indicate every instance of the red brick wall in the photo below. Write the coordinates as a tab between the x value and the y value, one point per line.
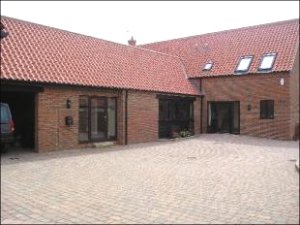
142	117
52	133
294	93
250	89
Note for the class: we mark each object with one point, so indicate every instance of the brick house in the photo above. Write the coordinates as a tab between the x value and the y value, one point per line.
249	78
68	90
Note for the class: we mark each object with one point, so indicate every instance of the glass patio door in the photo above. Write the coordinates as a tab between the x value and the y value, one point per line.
223	117
98	118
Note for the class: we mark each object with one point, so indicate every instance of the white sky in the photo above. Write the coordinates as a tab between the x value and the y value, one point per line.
149	21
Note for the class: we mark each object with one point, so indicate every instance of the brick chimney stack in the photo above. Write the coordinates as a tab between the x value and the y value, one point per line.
132	41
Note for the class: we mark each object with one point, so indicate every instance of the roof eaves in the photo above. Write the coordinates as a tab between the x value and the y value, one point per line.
236	75
94	86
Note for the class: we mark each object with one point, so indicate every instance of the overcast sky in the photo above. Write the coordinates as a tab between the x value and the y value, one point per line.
149	21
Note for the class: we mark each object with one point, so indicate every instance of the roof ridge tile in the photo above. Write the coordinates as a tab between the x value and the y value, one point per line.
225	31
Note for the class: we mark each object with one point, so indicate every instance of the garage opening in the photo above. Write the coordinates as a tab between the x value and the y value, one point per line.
21	102
175	116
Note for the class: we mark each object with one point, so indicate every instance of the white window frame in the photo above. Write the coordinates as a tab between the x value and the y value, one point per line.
249	58
209	65
270	64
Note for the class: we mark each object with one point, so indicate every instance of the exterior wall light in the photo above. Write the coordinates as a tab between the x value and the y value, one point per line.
281	81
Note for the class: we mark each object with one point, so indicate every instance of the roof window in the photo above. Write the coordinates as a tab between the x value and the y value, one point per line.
267	61
244	64
208	66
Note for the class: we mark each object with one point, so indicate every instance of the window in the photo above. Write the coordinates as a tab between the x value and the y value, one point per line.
267	61
208	66
267	109
112	118
97	118
244	64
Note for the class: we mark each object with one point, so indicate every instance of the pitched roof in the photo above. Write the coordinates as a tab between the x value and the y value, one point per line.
37	53
226	47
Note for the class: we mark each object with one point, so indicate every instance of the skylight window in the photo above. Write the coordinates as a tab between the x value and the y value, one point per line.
244	64
267	61
208	66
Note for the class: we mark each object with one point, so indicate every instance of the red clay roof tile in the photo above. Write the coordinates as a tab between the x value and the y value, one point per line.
226	47
37	53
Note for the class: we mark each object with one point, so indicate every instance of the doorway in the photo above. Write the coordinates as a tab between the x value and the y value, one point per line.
22	107
97	119
175	115
223	117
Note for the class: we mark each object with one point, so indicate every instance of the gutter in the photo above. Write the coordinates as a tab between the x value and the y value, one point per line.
201	105
201	115
126	117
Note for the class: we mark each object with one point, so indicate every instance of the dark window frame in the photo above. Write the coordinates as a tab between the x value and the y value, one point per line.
261	60
90	140
88	118
267	109
116	118
237	71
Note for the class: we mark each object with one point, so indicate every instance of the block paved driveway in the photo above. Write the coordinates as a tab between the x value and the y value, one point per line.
204	179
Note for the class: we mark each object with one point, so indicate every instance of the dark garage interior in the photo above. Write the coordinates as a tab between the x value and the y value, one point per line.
175	115
22	107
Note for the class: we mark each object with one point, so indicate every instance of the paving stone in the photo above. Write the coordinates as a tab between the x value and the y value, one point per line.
204	180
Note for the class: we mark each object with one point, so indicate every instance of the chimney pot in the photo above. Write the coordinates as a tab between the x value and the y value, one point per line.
132	41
